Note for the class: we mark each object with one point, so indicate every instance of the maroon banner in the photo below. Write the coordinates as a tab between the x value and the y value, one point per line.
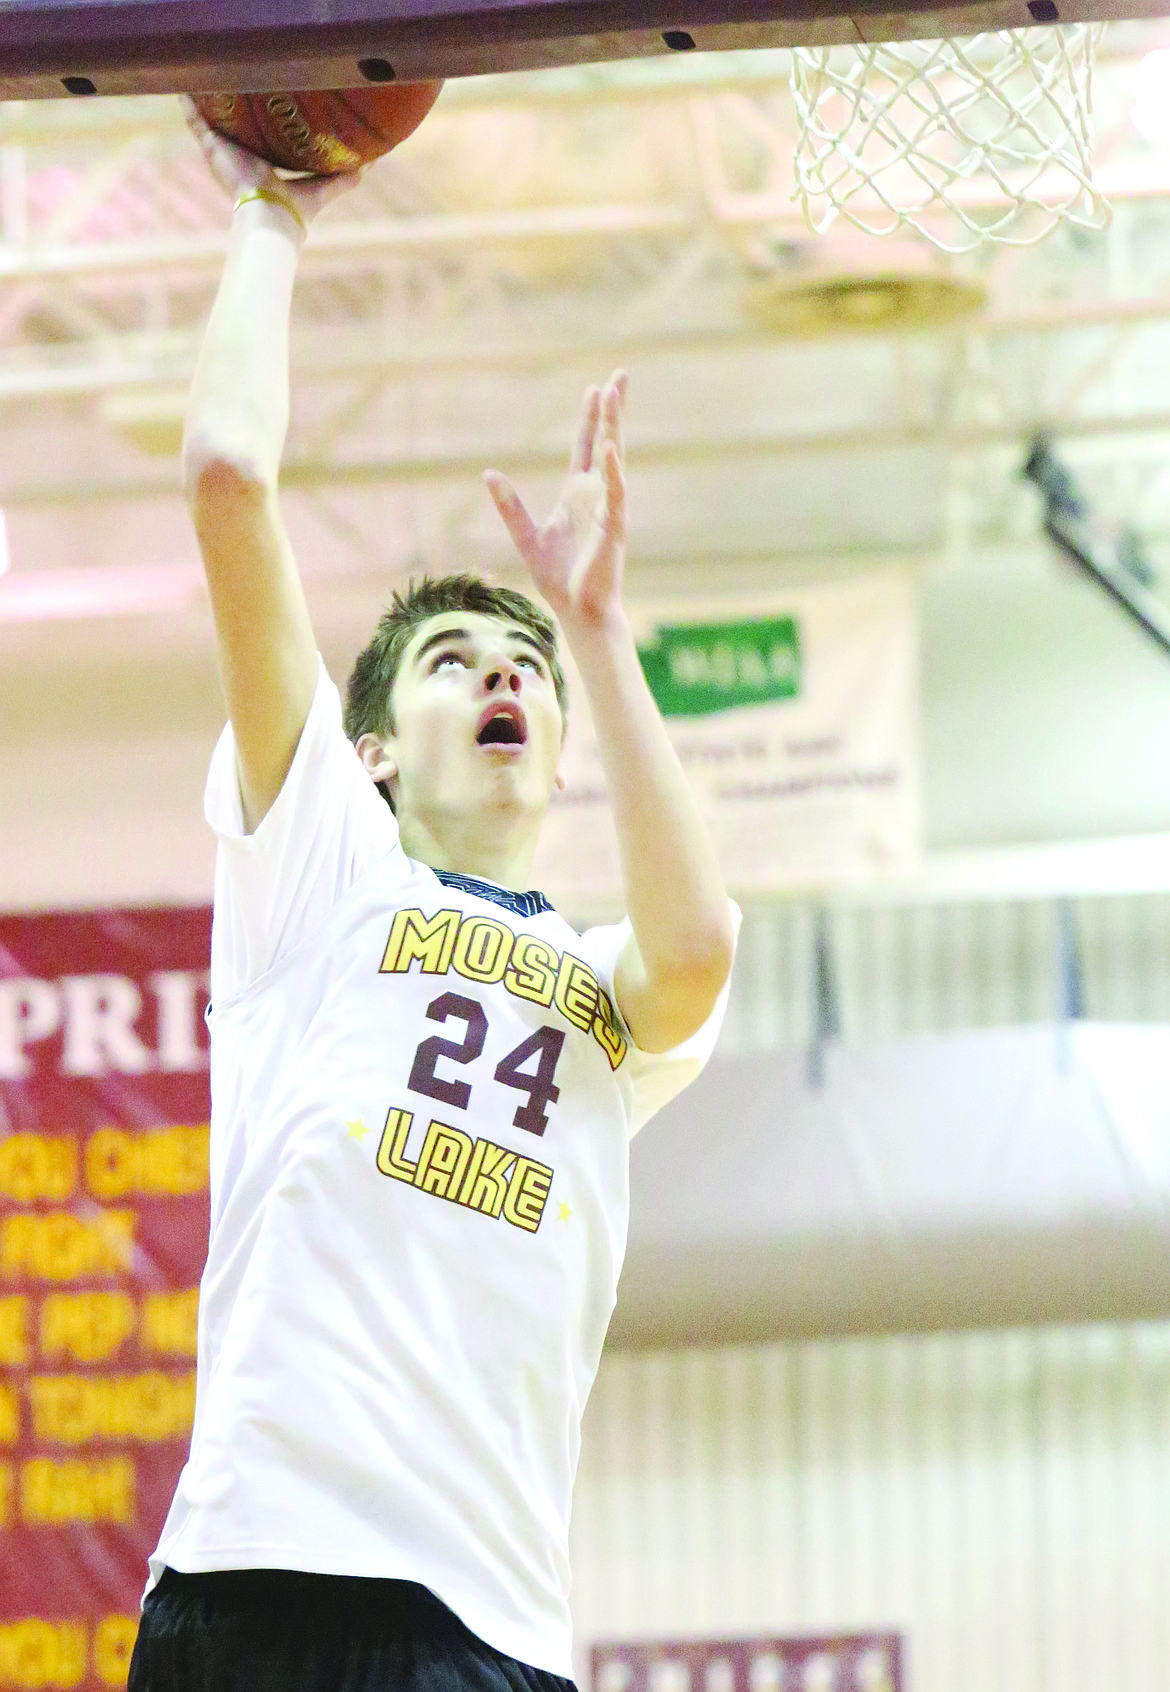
842	1662
103	1231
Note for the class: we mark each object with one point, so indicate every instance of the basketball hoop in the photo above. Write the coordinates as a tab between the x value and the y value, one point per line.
987	139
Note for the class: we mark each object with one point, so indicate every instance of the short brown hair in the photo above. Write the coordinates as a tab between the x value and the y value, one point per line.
369	706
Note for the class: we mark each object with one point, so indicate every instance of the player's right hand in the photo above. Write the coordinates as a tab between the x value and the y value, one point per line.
236	170
576	557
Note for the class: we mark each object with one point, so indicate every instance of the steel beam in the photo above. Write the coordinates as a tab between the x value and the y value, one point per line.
527	460
409	349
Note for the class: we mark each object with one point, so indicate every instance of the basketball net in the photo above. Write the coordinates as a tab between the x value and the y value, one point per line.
987	139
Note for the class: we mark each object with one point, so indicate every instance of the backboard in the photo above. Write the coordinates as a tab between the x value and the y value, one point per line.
59	48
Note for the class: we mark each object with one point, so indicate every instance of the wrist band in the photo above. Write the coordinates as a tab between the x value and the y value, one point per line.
271	198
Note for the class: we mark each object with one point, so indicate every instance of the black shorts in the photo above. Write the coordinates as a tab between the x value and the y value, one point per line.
271	1630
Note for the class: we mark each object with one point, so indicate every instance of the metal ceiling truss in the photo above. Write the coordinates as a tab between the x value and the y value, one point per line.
551	223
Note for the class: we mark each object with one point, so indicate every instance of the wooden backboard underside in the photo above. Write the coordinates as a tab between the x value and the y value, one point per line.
59	48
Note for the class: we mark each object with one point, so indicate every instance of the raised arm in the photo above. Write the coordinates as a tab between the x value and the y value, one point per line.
237	418
670	975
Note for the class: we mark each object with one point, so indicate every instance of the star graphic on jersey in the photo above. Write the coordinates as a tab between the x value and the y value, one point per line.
564	1211
356	1130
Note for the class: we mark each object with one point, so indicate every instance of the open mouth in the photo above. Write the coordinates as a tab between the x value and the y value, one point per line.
502	725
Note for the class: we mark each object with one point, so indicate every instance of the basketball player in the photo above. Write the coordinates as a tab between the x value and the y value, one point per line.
423	1080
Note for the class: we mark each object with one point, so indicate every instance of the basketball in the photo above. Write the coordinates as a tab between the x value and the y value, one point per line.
323	132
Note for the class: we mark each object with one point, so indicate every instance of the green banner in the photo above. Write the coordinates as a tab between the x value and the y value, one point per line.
696	668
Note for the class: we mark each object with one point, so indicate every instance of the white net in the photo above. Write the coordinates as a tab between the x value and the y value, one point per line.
984	139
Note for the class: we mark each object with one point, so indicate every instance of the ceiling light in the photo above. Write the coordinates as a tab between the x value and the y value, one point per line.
1151	99
150	419
844	286
110	590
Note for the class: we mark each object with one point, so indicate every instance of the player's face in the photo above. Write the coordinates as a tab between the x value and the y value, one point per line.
478	726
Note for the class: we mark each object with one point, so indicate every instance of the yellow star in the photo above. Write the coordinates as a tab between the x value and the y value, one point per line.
357	1130
563	1212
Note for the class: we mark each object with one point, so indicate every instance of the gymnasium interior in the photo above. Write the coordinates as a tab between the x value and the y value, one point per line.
889	1374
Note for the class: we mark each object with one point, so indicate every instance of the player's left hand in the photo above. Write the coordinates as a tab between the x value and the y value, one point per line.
576	556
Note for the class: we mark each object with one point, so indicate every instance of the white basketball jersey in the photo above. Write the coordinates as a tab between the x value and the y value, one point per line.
422	1096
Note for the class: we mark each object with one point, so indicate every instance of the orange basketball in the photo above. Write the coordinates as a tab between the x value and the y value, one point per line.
323	132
